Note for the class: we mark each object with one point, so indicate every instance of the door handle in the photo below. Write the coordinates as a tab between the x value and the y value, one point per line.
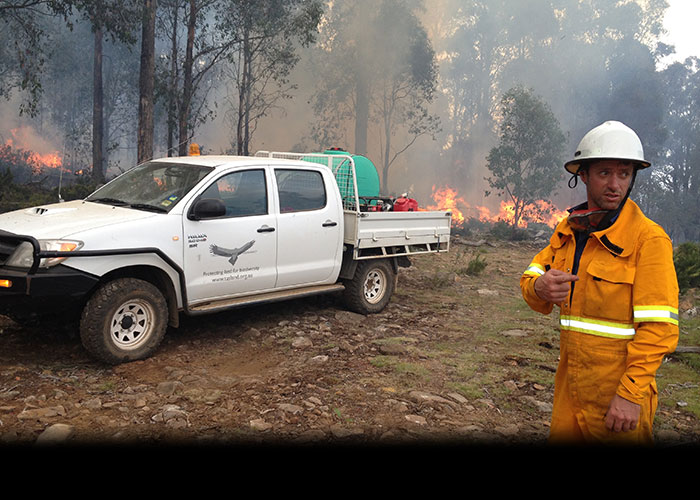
329	223
266	229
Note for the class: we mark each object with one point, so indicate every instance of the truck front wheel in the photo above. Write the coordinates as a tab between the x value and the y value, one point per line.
370	289
124	320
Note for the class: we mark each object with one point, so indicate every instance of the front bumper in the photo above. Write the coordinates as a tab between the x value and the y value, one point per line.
46	290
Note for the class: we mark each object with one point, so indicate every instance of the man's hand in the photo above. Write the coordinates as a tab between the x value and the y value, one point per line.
554	285
622	415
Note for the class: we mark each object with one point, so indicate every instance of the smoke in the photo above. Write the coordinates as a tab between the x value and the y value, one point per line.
22	133
482	50
450	160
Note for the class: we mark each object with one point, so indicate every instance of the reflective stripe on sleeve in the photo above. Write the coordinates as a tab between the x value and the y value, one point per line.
664	314
534	270
597	327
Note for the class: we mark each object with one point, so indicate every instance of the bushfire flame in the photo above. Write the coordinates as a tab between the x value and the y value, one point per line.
39	161
447	198
49	160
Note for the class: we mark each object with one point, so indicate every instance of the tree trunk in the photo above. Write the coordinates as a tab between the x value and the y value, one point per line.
97	111
172	93
361	113
242	92
242	129
146	82
388	115
249	90
184	111
107	111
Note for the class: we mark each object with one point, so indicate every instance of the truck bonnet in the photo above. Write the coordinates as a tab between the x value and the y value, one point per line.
62	220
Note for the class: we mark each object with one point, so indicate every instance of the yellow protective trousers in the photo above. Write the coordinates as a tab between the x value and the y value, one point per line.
590	369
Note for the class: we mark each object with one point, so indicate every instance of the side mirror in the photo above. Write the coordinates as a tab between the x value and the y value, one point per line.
207	208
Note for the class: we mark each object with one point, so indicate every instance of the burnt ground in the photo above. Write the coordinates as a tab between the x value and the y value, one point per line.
454	358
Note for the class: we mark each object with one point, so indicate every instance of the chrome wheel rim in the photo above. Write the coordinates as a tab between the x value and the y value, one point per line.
375	286
132	324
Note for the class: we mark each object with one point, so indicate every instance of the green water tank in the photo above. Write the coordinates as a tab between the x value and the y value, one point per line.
367	176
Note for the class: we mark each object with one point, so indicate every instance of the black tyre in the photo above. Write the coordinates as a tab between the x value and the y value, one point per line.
124	320
370	290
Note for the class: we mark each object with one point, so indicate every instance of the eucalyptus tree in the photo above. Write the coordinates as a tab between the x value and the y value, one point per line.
269	33
589	59
377	65
147	72
167	67
29	49
84	126
186	72
199	58
607	62
526	165
24	47
115	18
673	194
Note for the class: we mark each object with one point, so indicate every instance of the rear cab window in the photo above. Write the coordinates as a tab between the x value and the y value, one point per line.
300	190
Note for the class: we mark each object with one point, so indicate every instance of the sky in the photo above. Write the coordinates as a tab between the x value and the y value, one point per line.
681	23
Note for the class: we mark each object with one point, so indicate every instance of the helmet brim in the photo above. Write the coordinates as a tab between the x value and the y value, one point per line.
573	166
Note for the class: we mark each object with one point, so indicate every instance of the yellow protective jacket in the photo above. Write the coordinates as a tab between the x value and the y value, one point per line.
626	298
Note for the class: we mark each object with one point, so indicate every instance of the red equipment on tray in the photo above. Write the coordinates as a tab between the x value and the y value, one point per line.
404	204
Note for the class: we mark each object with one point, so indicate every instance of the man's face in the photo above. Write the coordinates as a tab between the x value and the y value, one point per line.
607	182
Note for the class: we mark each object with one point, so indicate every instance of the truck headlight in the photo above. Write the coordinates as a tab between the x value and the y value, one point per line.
23	256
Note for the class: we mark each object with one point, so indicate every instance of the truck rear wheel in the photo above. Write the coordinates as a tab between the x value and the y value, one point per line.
371	288
124	320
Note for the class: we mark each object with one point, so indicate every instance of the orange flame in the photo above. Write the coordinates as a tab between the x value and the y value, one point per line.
20	139
49	160
447	199
541	211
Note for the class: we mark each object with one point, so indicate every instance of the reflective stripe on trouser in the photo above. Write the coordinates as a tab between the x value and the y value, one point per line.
589	372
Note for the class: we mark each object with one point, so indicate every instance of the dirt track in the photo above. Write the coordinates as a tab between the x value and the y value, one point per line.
309	371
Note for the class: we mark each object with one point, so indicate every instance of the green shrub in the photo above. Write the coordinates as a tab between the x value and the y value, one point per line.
504	231
16	196
438	280
76	191
475	266
687	261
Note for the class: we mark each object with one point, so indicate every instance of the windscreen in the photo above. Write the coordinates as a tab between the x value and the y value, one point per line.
154	186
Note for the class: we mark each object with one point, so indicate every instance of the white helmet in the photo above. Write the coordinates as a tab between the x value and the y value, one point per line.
609	141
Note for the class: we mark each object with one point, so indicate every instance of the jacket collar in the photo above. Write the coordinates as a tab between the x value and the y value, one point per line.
619	238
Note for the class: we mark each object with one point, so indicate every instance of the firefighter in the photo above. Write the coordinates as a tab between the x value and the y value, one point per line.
610	271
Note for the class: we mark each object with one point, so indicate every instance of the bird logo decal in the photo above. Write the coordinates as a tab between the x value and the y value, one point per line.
232	253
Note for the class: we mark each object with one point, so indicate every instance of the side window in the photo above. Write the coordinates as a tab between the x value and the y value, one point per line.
242	193
300	190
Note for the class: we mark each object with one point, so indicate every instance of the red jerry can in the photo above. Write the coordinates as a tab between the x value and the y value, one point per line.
405	205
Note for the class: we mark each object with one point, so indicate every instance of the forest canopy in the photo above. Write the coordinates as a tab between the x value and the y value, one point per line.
416	86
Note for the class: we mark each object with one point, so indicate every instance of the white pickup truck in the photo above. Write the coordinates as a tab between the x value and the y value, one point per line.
200	234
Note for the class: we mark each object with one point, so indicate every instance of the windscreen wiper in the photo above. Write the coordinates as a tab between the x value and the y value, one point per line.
146	206
110	201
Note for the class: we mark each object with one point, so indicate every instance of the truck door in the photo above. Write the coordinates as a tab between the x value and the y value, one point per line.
236	252
309	239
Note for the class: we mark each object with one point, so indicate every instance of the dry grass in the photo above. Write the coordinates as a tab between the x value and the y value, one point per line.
486	343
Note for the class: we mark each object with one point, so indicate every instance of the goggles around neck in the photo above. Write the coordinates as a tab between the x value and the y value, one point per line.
586	219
